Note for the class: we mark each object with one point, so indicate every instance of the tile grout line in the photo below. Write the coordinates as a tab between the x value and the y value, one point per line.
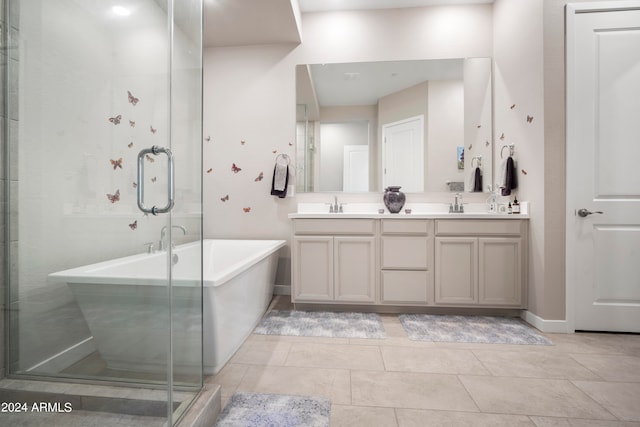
586	367
605	408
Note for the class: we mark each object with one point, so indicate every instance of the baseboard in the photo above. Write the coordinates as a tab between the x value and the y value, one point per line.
282	290
551	326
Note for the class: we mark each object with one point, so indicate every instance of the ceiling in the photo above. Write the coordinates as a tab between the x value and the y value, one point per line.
363	83
253	22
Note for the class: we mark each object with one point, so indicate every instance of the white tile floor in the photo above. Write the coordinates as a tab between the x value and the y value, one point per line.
583	380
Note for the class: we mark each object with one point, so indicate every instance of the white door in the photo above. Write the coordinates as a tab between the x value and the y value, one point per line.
603	166
355	175
403	154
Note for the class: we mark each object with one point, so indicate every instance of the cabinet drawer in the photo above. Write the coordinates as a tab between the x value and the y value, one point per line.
478	227
408	287
334	226
410	252
406	226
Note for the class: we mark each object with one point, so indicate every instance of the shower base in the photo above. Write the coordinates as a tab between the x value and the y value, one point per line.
27	402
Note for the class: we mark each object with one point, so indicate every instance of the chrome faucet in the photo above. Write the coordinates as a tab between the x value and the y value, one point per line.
335	207
457	206
163	233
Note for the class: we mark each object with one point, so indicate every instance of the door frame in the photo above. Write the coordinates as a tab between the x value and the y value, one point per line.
571	12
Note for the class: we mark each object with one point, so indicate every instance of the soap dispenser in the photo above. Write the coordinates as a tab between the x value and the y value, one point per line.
515	207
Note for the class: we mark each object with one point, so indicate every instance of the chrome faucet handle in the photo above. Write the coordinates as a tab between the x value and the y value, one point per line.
149	246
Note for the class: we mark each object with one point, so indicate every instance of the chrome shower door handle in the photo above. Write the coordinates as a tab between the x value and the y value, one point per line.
583	213
155	150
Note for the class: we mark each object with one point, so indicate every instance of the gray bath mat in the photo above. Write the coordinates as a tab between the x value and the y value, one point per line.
321	324
268	410
472	329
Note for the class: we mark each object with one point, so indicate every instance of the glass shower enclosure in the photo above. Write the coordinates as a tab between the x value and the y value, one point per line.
103	185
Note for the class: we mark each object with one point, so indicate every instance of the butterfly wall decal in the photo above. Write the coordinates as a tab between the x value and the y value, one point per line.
274	151
116	120
149	158
208	139
135	184
154	179
132	123
470	147
132	99
235	168
529	119
502	136
115	197
116	163
246	210
130	145
225	198
209	170
291	144
152	129
479	126
242	142
524	172
486	143
513	106
260	176
134	225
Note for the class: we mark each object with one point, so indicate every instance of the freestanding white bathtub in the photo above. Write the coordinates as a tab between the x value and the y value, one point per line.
125	303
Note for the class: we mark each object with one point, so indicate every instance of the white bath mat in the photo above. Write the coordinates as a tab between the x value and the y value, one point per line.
268	410
321	324
472	329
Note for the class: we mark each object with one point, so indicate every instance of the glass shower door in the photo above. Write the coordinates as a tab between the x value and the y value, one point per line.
105	108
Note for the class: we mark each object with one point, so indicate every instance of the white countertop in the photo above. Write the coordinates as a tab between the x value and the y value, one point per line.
418	211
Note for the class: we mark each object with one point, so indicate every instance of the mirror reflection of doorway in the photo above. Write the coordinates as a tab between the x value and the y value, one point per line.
403	154
334	138
356	168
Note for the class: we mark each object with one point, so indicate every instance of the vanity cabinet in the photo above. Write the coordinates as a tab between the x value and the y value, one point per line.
480	263
410	262
406	262
334	261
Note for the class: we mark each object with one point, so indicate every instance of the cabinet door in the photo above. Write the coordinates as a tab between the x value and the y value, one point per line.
313	268
456	270
406	287
355	269
500	278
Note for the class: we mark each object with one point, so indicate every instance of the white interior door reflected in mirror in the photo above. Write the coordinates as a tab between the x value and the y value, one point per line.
356	169
334	137
403	154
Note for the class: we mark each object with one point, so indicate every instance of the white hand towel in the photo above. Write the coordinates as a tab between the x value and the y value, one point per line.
280	180
502	176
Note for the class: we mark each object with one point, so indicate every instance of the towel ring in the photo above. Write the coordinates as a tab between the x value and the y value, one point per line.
479	161
510	147
285	157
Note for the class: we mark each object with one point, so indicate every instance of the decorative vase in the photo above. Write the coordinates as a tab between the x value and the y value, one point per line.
393	199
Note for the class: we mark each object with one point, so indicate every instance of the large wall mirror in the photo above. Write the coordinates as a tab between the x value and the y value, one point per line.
423	125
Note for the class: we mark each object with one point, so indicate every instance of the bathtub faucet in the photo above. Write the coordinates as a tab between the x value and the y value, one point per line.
163	232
